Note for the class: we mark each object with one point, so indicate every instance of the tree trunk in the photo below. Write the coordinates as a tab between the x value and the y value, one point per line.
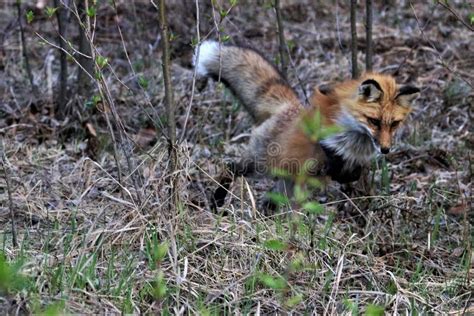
83	81
369	52
281	39
170	108
355	70
62	95
26	59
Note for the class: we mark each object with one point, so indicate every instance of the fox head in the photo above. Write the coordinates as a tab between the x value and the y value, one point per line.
369	111
382	106
374	104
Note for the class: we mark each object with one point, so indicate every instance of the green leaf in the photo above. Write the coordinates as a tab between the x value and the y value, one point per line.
352	306
291	44
225	38
314	182
160	289
90	104
311	125
101	61
50	11
91	12
10	278
329	130
172	37
297	264
30	16
374	310
275	283
96	99
98	75
313	208
143	82
275	244
280	173
233	2
300	194
55	309
294	300
161	251
278	198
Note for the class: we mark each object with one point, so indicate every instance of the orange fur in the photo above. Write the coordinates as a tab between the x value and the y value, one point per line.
369	109
388	109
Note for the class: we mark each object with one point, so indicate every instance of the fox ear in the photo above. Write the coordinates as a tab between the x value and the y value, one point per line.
370	90
406	94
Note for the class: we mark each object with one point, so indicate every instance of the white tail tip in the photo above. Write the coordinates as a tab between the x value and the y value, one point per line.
204	55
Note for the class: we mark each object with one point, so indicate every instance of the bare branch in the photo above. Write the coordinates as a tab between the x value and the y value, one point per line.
193	87
440	58
447	7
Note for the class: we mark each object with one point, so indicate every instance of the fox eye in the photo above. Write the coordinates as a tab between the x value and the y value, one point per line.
374	122
395	124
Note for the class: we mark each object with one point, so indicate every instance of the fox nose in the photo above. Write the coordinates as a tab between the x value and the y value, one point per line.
385	150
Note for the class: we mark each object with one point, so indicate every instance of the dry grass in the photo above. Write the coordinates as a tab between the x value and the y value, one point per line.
88	245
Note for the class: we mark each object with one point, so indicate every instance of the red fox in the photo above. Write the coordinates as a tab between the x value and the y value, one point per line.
368	110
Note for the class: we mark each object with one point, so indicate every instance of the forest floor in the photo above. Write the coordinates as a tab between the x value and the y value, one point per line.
95	239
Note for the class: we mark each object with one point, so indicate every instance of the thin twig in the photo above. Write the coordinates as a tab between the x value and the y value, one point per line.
87	33
300	82
447	7
69	54
106	95
443	63
281	39
467	226
193	85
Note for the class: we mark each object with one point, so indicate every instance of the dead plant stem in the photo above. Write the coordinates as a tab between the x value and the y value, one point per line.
10	199
170	107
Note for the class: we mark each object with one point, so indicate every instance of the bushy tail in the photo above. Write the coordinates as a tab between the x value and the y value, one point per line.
260	87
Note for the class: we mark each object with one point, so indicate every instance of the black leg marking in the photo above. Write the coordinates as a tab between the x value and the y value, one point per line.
232	170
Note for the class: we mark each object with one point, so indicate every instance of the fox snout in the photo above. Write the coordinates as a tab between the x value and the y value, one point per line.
384	149
384	140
